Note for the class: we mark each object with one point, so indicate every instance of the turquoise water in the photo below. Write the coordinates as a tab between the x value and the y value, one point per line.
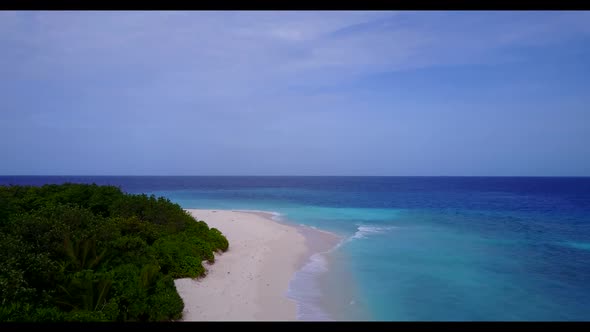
411	266
417	248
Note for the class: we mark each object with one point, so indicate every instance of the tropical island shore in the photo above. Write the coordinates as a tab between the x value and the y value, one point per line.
250	281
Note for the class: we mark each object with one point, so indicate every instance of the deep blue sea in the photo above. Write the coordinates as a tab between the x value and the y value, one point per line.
416	248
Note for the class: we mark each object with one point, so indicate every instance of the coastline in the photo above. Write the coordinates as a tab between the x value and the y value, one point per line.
251	281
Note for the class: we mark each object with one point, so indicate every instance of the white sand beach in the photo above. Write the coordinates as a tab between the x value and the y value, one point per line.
250	280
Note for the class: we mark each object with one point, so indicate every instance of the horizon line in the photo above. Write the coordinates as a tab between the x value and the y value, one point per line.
153	175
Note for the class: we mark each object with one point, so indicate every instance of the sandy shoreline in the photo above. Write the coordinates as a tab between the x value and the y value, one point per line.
250	280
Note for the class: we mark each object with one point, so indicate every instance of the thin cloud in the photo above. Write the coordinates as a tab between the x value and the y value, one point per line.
272	79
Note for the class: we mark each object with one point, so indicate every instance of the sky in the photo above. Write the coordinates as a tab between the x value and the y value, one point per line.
426	93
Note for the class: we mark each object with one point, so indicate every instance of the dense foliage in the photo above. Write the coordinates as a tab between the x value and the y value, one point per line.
77	252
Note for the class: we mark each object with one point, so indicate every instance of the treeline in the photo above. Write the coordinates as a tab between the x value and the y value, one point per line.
77	252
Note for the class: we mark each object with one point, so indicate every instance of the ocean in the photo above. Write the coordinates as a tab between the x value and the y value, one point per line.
414	248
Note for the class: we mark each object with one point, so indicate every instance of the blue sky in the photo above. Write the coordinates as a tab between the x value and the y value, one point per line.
295	93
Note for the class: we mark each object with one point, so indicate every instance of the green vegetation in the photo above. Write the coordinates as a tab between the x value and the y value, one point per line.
77	252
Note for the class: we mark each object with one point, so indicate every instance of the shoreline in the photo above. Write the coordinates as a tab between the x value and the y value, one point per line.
251	281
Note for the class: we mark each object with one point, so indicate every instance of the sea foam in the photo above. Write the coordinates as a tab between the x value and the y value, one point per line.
305	291
363	231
